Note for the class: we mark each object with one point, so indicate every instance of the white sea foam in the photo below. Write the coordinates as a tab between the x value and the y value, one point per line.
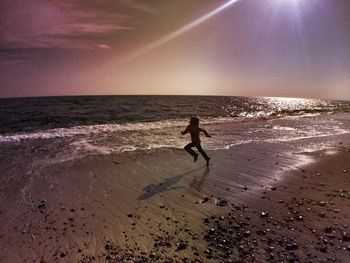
77	142
281	128
105	128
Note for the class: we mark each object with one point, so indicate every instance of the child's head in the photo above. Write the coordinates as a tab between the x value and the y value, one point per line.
194	121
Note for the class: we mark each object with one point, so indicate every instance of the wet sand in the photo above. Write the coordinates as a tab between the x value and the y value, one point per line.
303	218
158	206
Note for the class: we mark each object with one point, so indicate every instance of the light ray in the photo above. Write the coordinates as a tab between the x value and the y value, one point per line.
178	32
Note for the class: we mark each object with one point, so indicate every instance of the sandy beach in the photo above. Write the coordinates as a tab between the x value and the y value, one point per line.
187	131
257	202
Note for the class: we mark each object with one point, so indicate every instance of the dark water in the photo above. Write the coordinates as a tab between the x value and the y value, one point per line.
33	114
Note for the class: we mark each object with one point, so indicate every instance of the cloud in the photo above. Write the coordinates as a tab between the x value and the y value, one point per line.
78	24
134	4
103	46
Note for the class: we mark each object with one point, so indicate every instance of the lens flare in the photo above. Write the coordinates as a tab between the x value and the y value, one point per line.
179	32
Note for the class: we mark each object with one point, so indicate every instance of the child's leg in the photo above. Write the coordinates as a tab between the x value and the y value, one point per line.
200	149
188	148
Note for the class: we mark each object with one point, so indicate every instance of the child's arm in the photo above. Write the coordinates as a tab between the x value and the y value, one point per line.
205	132
186	130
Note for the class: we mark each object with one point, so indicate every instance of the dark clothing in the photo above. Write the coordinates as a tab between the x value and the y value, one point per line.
189	146
194	131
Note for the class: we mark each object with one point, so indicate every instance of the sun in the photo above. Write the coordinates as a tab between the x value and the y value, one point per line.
290	1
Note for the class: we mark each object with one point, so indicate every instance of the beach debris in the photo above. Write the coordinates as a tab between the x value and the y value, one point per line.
322	203
222	203
291	246
264	214
323	248
205	199
246	233
345	236
110	250
322	214
183	244
41	206
328	229
162	241
300	218
212	230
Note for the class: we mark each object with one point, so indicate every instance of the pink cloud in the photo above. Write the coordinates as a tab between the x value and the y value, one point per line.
64	23
103	46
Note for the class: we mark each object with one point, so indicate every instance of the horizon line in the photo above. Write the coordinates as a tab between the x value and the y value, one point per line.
174	95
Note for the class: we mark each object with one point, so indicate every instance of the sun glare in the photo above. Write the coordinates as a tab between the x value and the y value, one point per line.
292	1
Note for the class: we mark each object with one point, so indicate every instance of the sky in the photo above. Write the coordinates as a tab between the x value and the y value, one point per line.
278	48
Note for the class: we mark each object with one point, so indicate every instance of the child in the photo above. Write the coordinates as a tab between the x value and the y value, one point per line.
194	130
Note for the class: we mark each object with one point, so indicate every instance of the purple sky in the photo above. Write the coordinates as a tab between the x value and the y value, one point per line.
292	48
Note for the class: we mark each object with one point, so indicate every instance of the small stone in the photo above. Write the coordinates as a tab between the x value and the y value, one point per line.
322	203
273	188
222	203
323	249
246	233
345	236
182	245
130	215
322	214
292	246
264	214
328	229
205	199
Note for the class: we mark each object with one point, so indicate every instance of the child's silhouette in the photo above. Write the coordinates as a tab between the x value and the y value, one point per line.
194	129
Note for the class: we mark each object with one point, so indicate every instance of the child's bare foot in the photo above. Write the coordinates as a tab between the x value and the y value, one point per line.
208	161
195	157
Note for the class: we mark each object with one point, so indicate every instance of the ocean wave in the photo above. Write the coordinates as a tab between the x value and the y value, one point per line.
86	130
111	129
40	114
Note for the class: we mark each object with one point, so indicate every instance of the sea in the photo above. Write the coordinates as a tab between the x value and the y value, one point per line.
57	129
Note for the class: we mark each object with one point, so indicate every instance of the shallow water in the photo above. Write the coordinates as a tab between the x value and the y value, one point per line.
42	131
